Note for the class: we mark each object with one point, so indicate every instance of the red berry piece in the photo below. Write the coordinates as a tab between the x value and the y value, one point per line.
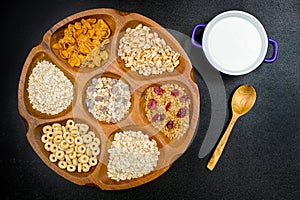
170	124
175	92
168	106
162	117
158	90
154	118
181	113
152	104
184	98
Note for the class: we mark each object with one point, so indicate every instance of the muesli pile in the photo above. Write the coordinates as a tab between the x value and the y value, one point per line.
167	108
108	99
145	52
131	155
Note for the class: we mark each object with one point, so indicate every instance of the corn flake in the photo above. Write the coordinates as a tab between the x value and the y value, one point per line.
81	38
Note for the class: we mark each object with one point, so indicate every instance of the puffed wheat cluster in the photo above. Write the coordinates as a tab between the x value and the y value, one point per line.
131	155
145	52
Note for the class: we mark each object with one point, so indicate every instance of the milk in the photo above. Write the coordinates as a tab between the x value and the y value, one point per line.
234	43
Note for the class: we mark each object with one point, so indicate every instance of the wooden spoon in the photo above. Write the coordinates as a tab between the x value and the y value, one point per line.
242	101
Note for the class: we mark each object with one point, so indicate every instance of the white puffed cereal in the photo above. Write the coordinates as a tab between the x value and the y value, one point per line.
146	53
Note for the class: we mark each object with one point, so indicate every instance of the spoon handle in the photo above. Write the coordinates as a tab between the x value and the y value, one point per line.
219	149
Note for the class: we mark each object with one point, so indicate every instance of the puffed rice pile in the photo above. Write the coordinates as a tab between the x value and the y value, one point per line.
50	91
108	99
145	52
131	155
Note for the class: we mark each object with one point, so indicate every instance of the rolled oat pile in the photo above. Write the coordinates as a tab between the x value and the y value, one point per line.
145	52
131	155
50	91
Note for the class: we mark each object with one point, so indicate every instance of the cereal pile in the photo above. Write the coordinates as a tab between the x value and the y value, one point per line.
131	155
50	91
167	108
146	53
108	99
74	146
97	56
81	38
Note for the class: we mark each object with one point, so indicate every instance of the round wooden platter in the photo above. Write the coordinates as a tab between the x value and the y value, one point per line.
114	67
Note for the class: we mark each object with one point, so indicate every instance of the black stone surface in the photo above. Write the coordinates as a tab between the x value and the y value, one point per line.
262	157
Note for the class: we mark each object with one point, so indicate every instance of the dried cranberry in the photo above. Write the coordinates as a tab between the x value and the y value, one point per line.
162	117
158	90
175	92
184	98
154	118
168	106
170	124
152	104
181	113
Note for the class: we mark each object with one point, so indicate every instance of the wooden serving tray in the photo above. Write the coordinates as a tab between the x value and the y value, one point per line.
114	67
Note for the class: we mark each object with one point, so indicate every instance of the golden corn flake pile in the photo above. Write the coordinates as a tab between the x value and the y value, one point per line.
80	39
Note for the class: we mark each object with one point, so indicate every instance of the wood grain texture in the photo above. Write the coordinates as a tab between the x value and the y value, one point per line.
114	67
242	101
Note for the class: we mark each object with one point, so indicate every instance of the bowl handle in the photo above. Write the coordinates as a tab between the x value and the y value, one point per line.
194	42
275	51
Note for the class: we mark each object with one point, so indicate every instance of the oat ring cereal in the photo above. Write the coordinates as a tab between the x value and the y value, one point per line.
72	153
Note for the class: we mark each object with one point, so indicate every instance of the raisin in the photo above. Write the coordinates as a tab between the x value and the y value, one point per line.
154	118
158	90
181	113
162	117
184	98
152	104
175	92
168	106
170	124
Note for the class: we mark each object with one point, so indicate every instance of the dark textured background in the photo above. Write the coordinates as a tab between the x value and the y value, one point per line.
262	157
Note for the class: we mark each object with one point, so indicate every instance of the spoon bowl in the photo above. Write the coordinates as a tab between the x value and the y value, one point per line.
242	101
